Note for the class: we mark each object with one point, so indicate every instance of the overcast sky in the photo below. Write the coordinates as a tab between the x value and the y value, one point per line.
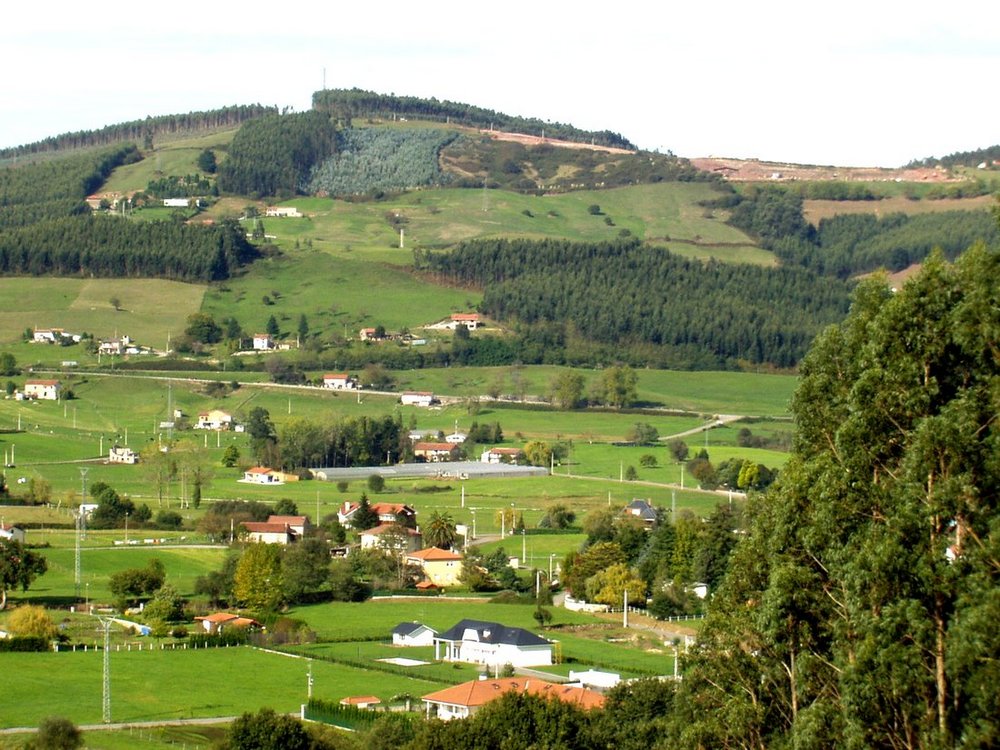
850	83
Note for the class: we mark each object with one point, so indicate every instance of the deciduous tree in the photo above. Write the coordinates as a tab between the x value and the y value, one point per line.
18	567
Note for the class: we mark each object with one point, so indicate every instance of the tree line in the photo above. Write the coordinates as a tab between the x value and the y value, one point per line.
142	131
623	293
346	104
110	246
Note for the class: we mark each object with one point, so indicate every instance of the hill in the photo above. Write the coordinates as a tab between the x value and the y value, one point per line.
374	179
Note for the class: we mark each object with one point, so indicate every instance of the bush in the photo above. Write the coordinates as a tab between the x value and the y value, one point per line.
376	482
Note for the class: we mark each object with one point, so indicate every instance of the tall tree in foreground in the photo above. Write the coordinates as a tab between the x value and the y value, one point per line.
18	567
861	609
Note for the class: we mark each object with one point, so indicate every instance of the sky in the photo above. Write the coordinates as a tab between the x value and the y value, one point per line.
853	83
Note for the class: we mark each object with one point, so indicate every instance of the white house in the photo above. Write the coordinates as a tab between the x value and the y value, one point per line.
176	202
16	534
469	320
268	533
47	335
47	390
456	438
120	454
339	381
277	529
261	475
413	634
417	398
393	538
492	644
262	342
216	419
501	456
284	212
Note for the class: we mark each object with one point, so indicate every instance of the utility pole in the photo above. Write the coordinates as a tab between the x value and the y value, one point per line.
106	692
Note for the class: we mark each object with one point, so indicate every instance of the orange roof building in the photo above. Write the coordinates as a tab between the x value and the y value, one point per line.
462	701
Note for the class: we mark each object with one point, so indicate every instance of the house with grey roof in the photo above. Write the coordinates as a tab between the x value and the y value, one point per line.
413	634
492	644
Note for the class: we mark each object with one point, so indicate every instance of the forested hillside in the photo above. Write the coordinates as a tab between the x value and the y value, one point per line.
849	245
275	155
703	314
57	188
143	131
369	160
47	228
346	104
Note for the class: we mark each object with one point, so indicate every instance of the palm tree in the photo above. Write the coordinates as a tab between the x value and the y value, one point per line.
440	530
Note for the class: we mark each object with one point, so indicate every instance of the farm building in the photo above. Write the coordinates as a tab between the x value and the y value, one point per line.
492	644
261	475
469	320
417	398
462	701
435	451
339	381
45	390
216	419
120	454
283	212
413	634
262	342
47	335
16	534
501	456
221	621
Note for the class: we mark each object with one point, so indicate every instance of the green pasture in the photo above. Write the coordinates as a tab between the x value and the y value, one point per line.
375	619
57	585
338	295
168	158
140	738
153	685
150	309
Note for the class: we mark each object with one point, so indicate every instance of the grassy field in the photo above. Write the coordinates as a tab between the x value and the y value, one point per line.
152	685
815	210
168	158
150	308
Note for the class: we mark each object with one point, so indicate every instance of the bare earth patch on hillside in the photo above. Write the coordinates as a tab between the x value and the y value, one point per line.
753	170
532	140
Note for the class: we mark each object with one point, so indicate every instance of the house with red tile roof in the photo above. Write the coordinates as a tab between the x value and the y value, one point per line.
462	701
393	538
222	621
